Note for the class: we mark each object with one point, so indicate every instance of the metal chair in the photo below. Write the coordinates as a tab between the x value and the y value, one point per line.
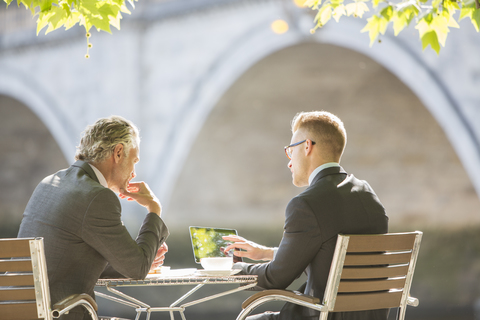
368	272
24	288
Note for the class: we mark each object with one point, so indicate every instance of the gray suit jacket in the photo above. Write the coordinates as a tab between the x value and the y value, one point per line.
84	236
334	203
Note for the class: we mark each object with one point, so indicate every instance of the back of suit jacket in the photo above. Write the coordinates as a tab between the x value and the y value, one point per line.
80	221
334	203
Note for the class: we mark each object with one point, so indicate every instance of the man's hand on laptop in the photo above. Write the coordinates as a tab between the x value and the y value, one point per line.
252	251
140	192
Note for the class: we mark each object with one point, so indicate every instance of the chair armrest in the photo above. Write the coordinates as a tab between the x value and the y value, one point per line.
72	301
411	301
286	293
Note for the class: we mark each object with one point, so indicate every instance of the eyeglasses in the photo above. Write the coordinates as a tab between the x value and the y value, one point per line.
288	149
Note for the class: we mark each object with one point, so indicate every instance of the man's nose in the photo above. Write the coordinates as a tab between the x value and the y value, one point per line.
134	174
289	165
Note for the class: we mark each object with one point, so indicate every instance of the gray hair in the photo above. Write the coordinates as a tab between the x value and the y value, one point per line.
99	140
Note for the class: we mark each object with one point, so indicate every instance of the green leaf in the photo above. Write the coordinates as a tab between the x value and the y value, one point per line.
29	4
123	8
115	21
357	9
96	13
338	12
57	19
476	19
72	20
375	25
451	5
467	10
433	30
430	38
324	15
45	5
387	13
439	25
448	15
400	21
336	3
375	3
313	4
436	3
43	19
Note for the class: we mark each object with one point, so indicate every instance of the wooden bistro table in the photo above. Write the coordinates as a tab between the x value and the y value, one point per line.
195	278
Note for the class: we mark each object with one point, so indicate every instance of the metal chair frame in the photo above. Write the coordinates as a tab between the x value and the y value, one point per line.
24	287
368	272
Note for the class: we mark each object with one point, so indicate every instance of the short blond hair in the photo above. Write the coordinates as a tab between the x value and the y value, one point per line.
325	128
99	139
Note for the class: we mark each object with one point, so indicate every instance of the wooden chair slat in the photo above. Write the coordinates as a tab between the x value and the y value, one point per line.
17	294
389	242
18	311
370	285
11	248
367	301
375	272
16	265
16	280
376	259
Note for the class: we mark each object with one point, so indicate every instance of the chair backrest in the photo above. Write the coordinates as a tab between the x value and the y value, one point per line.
24	290
372	272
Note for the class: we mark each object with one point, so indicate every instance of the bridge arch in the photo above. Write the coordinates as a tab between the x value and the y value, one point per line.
258	42
18	85
405	62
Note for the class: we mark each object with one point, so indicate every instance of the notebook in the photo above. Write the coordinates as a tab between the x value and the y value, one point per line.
208	242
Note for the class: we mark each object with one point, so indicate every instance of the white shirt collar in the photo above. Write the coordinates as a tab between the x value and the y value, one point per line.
320	168
100	177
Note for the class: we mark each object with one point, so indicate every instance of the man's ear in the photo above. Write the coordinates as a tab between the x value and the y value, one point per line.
118	153
308	147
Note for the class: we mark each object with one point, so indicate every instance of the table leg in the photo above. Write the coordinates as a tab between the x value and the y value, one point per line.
188	294
121	294
115	299
191	303
183	315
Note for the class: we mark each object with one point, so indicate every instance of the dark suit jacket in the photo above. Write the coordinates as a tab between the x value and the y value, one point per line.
334	203
80	222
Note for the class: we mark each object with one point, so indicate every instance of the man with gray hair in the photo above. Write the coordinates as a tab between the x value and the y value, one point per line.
78	214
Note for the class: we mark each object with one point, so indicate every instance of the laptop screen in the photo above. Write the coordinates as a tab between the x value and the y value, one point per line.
208	242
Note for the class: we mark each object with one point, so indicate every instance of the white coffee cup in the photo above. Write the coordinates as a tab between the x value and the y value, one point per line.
217	263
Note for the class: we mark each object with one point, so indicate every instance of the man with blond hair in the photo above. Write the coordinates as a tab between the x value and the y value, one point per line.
334	202
77	212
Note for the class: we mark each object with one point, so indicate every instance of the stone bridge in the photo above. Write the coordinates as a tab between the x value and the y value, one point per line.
173	61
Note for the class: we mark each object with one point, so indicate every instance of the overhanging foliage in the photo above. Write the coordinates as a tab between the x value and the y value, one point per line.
433	19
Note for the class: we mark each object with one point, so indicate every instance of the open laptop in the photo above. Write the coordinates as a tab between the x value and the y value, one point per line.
208	242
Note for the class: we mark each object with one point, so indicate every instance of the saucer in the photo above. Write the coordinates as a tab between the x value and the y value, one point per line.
217	273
